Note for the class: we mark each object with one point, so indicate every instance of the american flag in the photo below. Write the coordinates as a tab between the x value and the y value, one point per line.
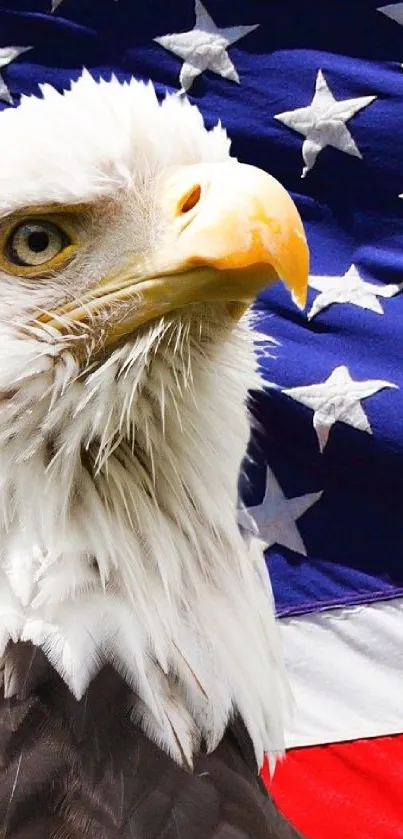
312	92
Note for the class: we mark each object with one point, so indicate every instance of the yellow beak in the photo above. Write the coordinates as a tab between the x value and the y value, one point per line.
245	227
230	230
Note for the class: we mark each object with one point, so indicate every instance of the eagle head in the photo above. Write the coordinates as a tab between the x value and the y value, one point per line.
131	245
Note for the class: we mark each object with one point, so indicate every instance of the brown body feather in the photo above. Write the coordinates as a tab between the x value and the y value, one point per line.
72	769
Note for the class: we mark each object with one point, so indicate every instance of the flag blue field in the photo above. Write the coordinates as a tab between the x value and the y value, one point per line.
313	93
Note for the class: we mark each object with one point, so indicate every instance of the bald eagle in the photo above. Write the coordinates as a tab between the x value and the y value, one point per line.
142	677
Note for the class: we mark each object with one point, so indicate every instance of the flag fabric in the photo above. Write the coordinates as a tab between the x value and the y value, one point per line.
313	93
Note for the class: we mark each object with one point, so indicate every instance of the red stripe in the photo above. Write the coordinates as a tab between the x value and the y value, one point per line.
344	791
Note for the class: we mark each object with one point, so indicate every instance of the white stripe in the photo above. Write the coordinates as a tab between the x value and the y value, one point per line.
346	671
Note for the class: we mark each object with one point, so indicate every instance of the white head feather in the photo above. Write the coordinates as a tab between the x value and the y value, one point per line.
118	487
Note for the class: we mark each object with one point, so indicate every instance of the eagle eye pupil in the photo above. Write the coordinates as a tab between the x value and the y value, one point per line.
38	241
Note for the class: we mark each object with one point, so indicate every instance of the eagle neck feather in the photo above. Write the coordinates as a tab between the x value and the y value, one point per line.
118	497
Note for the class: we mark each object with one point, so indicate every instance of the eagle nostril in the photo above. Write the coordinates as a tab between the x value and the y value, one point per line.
191	199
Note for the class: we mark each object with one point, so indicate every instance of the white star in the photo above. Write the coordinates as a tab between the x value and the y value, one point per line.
204	47
338	399
7	55
394	11
323	122
274	519
350	289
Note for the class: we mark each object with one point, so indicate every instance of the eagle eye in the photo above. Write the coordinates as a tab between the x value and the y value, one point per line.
36	242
